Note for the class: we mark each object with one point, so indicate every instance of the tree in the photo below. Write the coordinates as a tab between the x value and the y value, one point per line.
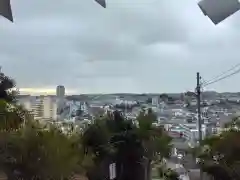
129	150
219	155
156	143
171	175
167	174
190	94
129	144
6	88
41	154
113	137
95	138
11	116
164	97
33	151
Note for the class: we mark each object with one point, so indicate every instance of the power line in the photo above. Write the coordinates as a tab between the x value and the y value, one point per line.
223	73
222	78
203	81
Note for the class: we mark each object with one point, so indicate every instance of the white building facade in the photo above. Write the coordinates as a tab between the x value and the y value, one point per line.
41	107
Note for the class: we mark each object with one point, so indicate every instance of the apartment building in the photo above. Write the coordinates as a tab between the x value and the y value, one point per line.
60	91
189	131
37	108
156	101
49	108
41	107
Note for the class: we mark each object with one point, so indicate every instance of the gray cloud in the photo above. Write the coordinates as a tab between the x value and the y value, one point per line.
132	46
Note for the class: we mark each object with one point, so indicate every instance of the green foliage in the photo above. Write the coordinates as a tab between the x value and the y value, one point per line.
6	88
114	130
219	155
41	154
29	150
34	152
234	124
154	139
95	138
167	174
11	116
171	175
106	135
164	97
128	143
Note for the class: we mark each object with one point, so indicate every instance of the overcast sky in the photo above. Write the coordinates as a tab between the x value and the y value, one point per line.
132	46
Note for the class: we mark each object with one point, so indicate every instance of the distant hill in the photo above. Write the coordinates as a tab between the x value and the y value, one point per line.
144	96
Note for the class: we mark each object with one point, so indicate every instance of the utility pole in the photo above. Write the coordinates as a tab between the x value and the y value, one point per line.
199	108
199	114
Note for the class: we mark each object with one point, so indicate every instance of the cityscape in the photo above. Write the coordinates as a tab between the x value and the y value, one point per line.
177	112
119	90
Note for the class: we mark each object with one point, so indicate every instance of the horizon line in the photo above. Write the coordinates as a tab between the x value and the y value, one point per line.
52	91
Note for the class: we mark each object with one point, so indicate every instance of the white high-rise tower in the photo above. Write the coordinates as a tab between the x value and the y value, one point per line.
60	92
